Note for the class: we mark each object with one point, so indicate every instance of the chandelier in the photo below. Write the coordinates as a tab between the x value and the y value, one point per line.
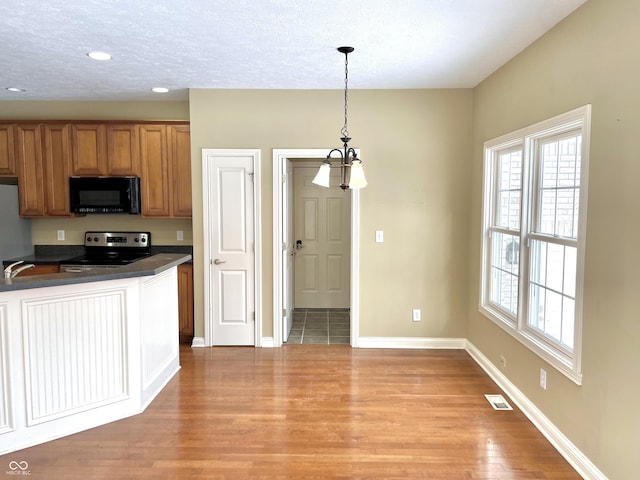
351	171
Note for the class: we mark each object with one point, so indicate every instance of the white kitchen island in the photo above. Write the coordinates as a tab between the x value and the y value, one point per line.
81	350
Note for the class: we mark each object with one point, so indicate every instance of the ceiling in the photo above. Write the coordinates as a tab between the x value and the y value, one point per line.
261	44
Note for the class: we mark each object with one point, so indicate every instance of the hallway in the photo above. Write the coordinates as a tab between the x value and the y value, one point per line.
323	326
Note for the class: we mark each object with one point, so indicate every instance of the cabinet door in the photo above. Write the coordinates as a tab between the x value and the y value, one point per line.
41	269
7	151
181	170
122	150
57	157
154	175
89	149
185	302
30	170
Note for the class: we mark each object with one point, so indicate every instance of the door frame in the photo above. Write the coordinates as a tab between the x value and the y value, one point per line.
257	239
280	157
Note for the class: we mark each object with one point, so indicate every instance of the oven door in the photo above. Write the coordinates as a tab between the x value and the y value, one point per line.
86	268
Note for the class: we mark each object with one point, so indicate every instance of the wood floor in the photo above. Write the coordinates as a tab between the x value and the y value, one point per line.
311	412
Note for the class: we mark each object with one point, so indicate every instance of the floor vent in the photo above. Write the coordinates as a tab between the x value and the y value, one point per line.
498	402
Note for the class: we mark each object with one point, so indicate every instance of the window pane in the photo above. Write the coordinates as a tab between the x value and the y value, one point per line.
504	271
555	266
547	221
569	162
549	160
552	290
553	315
536	307
570	259
568	311
566	212
559	170
510	189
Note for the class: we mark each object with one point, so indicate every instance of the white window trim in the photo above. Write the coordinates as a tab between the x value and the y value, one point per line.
569	365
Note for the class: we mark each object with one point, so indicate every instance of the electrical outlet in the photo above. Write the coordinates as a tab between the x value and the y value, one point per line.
417	315
60	235
379	236
543	379
179	235
503	361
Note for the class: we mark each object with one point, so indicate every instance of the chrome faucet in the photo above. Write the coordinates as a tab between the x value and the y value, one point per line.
10	273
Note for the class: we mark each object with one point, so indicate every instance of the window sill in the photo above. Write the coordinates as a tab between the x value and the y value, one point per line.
550	356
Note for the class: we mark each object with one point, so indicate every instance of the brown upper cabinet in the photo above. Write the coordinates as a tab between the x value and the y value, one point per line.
89	149
122	150
57	159
30	170
180	137
43	154
7	151
100	149
165	162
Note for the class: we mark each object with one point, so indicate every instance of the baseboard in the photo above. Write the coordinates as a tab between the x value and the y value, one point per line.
411	342
197	342
561	443
267	342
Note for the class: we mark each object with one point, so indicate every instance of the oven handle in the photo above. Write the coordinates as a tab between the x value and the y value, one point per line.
72	270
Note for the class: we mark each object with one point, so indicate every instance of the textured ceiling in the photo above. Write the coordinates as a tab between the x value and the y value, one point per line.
268	44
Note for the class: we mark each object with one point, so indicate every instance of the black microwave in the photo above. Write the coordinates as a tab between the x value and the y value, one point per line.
105	194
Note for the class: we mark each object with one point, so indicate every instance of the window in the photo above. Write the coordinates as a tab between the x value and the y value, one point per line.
534	224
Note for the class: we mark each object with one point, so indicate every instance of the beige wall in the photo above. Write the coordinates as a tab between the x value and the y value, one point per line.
591	57
44	231
415	145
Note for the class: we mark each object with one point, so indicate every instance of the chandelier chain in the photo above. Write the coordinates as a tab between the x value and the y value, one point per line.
345	131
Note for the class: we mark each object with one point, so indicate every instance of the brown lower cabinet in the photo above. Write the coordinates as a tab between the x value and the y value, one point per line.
40	269
185	302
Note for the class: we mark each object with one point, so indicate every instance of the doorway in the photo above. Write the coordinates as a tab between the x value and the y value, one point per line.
284	162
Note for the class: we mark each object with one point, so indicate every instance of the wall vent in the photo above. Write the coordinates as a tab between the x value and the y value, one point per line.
498	402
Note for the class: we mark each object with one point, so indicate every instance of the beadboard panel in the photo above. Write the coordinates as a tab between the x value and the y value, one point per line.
5	412
74	353
160	350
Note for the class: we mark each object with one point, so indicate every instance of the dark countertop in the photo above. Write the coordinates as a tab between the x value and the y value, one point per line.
152	265
57	254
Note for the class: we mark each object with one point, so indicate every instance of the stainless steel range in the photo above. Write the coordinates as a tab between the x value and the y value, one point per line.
105	250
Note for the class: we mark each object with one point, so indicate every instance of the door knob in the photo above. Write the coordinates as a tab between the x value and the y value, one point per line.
217	261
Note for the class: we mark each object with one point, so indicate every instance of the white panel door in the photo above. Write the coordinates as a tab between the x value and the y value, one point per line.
288	254
230	241
323	242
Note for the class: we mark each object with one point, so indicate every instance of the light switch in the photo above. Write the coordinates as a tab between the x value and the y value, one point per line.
379	236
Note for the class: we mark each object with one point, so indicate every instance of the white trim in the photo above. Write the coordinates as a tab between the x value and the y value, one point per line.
198	342
267	342
412	342
257	232
280	157
560	442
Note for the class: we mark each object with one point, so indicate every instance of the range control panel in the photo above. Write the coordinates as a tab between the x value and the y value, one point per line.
117	239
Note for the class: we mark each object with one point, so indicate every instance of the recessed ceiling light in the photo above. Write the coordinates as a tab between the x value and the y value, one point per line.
16	89
99	56
159	90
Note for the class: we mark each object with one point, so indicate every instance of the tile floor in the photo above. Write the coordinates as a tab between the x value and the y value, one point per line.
320	326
